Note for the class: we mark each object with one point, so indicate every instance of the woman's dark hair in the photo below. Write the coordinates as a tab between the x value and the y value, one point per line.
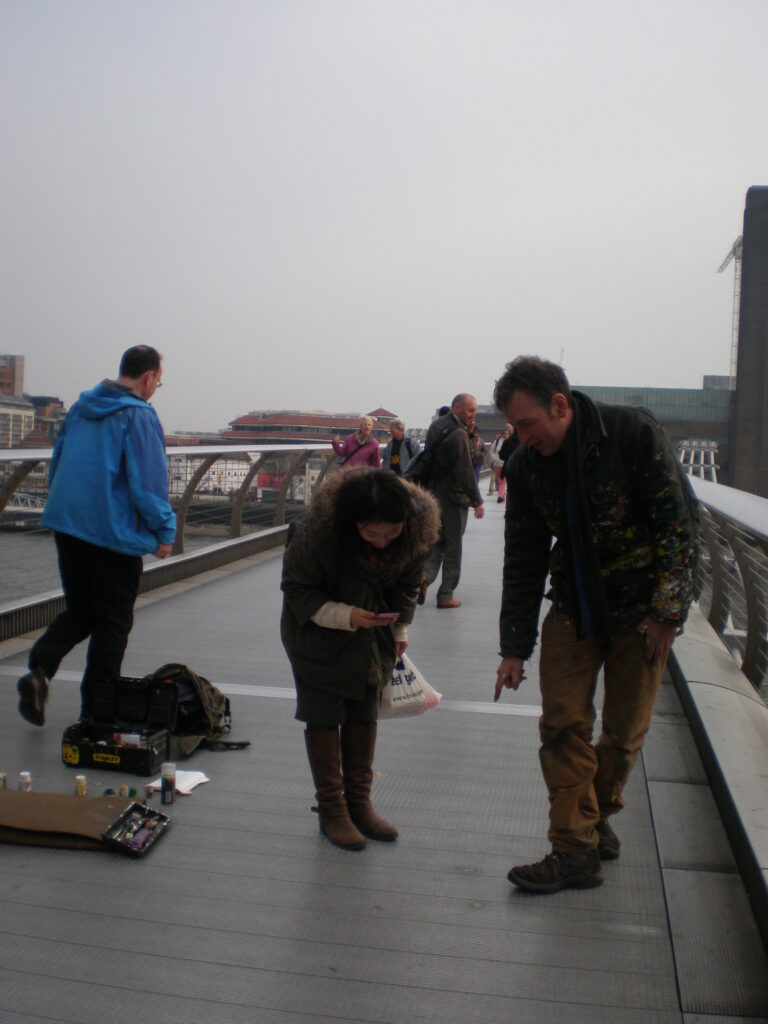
369	496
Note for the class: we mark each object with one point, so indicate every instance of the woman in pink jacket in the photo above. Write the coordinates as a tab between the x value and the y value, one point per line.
360	449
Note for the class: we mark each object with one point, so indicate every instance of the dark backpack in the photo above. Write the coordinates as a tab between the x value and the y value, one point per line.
203	716
421	469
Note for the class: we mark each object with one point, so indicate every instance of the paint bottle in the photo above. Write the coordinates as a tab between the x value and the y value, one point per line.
25	782
3	780
168	784
81	785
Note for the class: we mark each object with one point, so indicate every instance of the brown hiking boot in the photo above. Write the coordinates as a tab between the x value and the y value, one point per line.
324	761
358	743
608	843
559	871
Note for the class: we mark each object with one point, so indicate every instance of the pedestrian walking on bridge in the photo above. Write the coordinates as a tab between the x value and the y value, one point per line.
107	506
455	487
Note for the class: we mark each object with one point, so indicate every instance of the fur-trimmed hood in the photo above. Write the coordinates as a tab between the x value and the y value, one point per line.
421	529
316	570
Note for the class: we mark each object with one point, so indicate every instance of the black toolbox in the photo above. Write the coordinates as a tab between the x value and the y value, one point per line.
129	729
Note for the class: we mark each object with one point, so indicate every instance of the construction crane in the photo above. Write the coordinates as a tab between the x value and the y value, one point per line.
734	256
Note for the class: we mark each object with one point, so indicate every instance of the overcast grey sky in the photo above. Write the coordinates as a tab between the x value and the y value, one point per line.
341	204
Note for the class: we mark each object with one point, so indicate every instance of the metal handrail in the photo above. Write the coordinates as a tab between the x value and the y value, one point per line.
22	462
732	578
27	614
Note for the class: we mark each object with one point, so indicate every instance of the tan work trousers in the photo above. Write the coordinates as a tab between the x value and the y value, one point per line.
585	780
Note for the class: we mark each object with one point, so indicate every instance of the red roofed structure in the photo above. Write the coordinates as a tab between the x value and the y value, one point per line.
285	426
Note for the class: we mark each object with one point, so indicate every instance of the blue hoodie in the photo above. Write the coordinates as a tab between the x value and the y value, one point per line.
108	482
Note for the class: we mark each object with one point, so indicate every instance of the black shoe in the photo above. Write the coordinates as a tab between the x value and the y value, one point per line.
499	501
559	871
422	592
33	691
608	843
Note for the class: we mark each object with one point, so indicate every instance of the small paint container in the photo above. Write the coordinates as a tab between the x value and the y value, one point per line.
168	782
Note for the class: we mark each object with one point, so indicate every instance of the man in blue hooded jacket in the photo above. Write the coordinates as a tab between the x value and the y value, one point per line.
107	506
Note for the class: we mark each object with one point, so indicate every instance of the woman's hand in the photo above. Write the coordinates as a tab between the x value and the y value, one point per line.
361	619
400	647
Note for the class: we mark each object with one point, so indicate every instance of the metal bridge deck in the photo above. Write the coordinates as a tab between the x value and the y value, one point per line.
244	913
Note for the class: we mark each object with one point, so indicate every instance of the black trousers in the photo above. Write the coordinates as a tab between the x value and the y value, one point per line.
100	588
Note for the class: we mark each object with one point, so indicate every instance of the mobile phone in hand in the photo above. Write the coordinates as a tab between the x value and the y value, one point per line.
387	616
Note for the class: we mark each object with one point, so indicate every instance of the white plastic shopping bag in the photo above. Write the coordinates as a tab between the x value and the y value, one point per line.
407	692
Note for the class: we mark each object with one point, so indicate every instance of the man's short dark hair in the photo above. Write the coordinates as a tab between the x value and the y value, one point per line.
538	378
138	360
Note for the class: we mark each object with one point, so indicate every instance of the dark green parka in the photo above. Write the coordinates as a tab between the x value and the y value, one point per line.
636	526
316	570
453	478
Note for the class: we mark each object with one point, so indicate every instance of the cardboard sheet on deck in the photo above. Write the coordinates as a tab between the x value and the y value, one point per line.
57	819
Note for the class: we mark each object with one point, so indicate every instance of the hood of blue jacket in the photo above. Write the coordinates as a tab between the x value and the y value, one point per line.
106	399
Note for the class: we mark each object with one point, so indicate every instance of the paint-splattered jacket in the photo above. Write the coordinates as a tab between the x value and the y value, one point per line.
635	523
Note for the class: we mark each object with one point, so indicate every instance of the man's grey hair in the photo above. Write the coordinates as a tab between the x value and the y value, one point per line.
462	399
397	423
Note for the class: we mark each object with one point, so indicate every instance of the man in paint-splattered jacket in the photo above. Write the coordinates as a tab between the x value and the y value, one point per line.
604	483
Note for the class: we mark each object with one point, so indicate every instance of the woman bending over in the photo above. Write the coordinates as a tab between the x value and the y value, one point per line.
355	556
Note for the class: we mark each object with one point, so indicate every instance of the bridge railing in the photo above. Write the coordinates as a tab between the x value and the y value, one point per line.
238	496
222	480
731	585
732	581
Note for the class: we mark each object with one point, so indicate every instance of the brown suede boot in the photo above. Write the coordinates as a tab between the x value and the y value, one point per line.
323	753
358	743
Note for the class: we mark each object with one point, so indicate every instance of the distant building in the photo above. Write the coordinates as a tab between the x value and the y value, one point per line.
383	415
191	438
749	425
290	426
17	419
685	413
49	418
34	420
12	375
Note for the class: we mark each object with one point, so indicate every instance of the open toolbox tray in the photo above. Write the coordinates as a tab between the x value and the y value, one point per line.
138	702
138	829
